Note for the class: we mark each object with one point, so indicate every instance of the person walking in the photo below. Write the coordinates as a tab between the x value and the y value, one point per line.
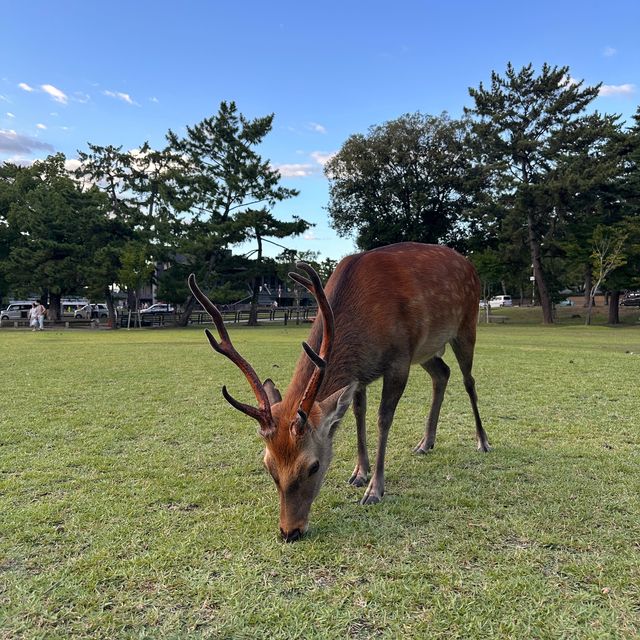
33	316
41	311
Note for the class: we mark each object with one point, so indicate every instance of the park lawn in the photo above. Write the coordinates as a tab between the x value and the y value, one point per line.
133	502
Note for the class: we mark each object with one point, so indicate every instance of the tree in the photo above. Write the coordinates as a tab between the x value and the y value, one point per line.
54	223
528	131
222	176
404	180
260	224
607	254
136	269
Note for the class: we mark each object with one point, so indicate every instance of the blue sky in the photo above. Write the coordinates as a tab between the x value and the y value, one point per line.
122	72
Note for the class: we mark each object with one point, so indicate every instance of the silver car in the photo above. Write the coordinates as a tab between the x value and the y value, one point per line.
16	311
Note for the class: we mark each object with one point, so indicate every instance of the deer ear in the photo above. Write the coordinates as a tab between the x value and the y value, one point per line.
272	391
335	406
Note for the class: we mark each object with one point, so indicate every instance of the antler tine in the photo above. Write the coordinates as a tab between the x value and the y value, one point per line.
314	286
226	348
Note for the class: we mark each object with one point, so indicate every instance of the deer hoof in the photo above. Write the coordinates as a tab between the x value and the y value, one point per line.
356	480
370	499
423	447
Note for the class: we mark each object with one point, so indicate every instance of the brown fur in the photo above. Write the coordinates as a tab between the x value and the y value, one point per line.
393	307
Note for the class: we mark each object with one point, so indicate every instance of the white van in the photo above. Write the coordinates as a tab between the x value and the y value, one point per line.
500	301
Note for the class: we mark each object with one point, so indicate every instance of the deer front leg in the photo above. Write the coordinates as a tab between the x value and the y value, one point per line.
361	472
392	390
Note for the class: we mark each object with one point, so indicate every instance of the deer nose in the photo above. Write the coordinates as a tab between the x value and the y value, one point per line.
291	536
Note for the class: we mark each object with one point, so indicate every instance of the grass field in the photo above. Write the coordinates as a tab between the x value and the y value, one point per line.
133	502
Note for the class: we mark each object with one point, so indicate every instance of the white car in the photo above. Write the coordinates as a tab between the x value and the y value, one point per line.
158	307
500	301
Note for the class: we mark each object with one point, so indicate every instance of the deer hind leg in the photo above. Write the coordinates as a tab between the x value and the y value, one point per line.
439	373
361	472
463	348
394	382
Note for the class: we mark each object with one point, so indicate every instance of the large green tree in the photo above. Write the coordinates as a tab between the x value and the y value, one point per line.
222	177
403	180
56	227
528	131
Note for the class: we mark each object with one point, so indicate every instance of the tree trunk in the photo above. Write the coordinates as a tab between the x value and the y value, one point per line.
614	307
187	308
253	313
588	284
53	311
112	312
536	260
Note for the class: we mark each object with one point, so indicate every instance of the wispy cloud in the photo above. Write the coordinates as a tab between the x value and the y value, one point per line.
25	87
118	95
4	99
13	142
617	89
82	98
55	93
10	115
41	126
310	235
607	52
318	128
154	99
322	157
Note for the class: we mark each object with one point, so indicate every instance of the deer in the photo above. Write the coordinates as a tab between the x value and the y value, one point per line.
380	312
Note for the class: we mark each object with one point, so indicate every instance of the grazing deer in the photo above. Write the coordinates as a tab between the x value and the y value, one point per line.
382	311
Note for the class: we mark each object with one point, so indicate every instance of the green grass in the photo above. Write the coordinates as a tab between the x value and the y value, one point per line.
133	502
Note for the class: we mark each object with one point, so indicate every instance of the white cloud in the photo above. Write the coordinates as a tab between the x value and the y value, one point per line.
25	87
154	99
13	142
310	235
609	51
4	99
55	93
41	126
10	115
72	164
617	89
322	157
318	128
295	170
118	95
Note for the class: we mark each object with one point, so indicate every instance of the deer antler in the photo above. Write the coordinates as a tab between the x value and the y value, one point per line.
314	286
226	348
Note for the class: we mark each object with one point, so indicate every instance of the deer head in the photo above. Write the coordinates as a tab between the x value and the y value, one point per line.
298	430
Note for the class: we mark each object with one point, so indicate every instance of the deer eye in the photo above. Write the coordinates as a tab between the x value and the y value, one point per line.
314	468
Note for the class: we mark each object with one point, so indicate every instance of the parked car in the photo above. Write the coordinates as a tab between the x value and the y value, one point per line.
567	302
500	301
483	304
18	310
158	307
69	307
89	311
631	299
